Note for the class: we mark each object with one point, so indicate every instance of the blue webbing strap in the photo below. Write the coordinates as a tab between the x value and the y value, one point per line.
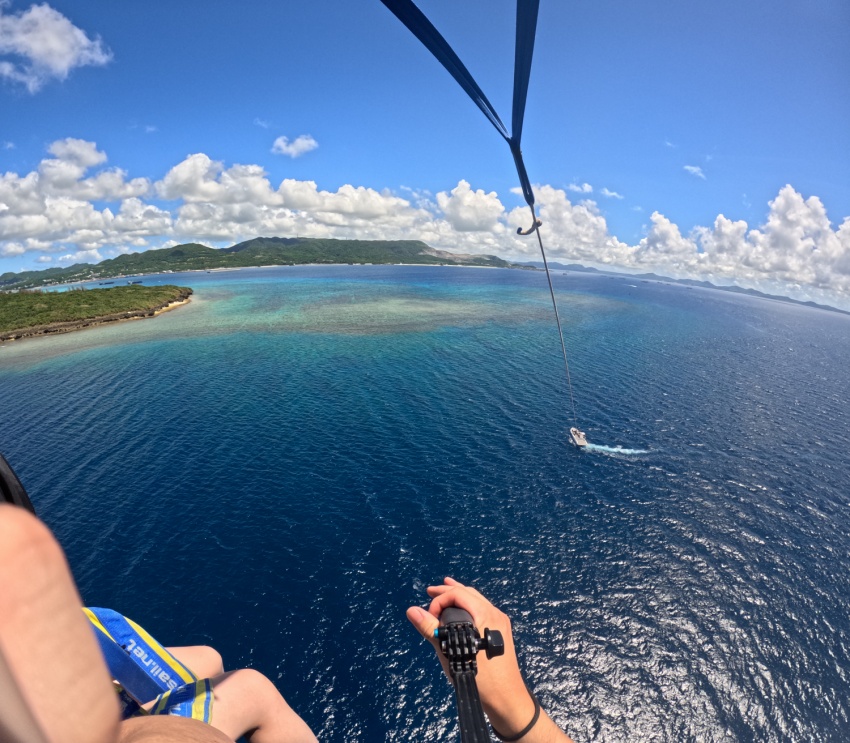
424	30
146	671
526	28
133	677
192	700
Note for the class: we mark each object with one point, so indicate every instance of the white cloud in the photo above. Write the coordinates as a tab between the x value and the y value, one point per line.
471	211
611	194
663	243
795	252
10	249
7	145
797	246
262	123
695	170
303	143
583	188
58	209
233	203
47	209
40	44
668	143
77	151
81	256
64	175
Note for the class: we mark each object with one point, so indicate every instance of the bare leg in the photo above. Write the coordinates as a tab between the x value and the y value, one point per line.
53	657
168	729
202	660
246	703
45	638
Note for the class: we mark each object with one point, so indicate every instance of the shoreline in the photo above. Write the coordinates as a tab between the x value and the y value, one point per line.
171	306
284	265
90	322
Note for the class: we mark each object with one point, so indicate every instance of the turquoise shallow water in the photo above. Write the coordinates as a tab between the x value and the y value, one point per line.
281	467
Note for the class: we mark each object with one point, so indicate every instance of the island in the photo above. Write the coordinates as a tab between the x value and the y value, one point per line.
291	251
32	312
261	251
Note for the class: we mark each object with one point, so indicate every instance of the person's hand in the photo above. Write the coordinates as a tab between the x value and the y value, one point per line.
503	693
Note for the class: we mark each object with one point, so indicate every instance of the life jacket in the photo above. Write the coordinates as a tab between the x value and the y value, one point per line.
146	672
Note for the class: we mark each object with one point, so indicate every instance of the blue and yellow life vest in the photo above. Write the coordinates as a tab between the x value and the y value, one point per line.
146	672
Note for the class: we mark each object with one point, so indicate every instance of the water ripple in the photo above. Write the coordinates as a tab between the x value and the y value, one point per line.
283	466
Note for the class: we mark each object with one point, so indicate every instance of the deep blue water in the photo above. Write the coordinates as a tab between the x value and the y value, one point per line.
281	467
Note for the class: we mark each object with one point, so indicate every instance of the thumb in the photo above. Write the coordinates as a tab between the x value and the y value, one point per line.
424	622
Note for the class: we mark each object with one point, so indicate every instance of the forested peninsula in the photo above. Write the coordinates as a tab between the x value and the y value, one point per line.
261	251
29	313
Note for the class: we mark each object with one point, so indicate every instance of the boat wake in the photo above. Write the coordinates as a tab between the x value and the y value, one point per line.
614	449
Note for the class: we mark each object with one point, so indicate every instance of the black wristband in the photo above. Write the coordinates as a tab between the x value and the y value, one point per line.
526	729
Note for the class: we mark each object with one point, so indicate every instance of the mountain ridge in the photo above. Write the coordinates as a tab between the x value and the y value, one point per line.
259	251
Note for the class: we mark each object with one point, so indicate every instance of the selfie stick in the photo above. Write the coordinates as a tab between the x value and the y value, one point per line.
460	642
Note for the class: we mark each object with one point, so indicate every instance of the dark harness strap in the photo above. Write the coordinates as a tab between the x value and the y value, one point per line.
526	28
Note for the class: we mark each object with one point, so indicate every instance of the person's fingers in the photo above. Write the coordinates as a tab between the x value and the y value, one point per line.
447	585
459	597
424	622
437	590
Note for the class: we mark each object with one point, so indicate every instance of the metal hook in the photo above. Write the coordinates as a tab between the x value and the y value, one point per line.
536	225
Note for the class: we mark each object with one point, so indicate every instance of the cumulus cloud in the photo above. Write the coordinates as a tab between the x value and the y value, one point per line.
471	211
73	208
580	188
303	143
695	170
52	207
40	44
221	203
10	249
663	244
82	256
796	251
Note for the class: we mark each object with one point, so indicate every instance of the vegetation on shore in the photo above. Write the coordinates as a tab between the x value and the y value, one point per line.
36	312
261	251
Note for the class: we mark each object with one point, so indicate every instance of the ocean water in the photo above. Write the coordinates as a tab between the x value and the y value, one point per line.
280	468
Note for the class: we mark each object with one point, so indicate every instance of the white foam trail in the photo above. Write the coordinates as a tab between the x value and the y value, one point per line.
615	449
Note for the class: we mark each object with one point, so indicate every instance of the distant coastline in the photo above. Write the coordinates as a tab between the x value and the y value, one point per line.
30	309
693	283
261	251
266	252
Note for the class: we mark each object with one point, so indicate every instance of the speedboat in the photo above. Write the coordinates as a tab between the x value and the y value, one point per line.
579	438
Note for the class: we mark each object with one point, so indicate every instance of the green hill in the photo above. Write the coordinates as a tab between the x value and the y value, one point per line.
261	251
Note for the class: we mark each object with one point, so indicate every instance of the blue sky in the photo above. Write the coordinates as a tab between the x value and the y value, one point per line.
136	125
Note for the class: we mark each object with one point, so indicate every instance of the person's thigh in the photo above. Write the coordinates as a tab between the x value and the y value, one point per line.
246	702
48	643
168	729
202	660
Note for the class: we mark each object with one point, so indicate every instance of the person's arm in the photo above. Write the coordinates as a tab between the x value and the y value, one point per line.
506	700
